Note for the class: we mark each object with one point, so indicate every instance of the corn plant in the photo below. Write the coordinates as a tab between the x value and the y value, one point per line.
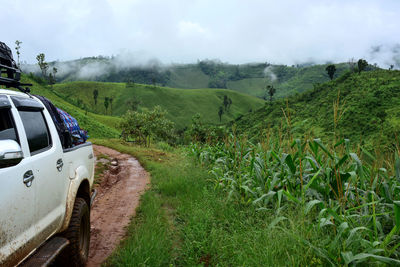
356	201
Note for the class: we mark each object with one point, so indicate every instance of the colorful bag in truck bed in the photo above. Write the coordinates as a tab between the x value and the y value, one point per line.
79	136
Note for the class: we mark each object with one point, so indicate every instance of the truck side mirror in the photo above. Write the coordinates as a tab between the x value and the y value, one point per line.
10	153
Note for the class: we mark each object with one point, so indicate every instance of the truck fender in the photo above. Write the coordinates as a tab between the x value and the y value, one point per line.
81	178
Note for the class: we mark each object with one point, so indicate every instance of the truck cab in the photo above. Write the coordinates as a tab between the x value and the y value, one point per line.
46	188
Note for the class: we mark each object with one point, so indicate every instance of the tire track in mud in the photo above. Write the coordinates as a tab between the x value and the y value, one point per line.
118	197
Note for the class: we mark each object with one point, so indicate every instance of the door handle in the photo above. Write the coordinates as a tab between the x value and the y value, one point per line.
28	178
59	165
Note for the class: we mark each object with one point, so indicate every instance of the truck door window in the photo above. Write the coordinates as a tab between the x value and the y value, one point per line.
7	129
36	130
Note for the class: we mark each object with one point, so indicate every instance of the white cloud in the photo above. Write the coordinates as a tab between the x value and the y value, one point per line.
190	28
183	31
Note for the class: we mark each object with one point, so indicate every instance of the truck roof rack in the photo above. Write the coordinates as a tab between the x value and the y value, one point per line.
10	74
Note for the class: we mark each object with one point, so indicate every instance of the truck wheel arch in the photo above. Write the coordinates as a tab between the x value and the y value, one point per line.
84	191
79	187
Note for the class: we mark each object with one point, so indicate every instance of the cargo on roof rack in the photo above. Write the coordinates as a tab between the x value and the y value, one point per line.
10	74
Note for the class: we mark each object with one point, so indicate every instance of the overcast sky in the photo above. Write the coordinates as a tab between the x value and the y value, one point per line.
182	31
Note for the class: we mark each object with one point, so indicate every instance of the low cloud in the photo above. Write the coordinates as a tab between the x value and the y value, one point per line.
385	55
269	73
94	67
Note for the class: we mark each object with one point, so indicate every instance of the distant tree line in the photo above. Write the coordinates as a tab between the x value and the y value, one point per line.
139	75
220	73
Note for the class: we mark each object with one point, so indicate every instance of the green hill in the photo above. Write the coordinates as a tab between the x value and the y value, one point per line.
188	77
369	104
181	104
246	78
98	126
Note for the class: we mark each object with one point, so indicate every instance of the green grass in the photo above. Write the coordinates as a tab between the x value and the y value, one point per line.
181	104
182	220
188	77
250	86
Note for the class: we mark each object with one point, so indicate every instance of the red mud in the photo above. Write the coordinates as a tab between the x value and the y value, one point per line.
115	204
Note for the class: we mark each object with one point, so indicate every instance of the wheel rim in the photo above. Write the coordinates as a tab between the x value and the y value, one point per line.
84	236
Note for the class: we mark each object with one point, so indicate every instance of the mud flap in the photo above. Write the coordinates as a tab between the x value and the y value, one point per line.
94	194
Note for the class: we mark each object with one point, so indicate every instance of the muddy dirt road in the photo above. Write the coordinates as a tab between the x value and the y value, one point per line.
118	196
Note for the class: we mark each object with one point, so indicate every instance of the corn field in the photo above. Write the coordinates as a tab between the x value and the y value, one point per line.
354	196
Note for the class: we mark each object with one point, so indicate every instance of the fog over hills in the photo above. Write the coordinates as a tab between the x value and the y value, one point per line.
285	32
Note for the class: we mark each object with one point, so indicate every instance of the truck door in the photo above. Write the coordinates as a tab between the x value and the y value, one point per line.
17	196
50	175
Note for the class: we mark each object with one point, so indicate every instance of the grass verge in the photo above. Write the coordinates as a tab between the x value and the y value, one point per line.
183	221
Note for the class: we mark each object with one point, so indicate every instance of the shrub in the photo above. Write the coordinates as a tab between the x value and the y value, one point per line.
147	125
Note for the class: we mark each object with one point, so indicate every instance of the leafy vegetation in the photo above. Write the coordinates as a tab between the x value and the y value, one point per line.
303	202
147	125
354	202
331	69
199	132
183	221
360	107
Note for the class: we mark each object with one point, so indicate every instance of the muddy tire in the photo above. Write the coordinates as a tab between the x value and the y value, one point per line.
78	234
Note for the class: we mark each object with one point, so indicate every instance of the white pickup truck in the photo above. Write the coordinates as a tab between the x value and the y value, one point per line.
45	189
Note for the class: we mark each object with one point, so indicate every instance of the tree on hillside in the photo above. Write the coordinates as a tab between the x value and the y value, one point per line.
331	69
111	100
130	83
17	49
43	65
55	70
352	64
95	95
391	67
220	112
362	64
236	75
106	103
51	80
133	104
226	102
270	90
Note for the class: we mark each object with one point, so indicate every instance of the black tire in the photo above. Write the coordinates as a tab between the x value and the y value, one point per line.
78	234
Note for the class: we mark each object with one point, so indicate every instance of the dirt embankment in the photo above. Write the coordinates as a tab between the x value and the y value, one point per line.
122	183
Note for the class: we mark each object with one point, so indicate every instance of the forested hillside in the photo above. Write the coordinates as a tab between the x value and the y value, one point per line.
361	107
